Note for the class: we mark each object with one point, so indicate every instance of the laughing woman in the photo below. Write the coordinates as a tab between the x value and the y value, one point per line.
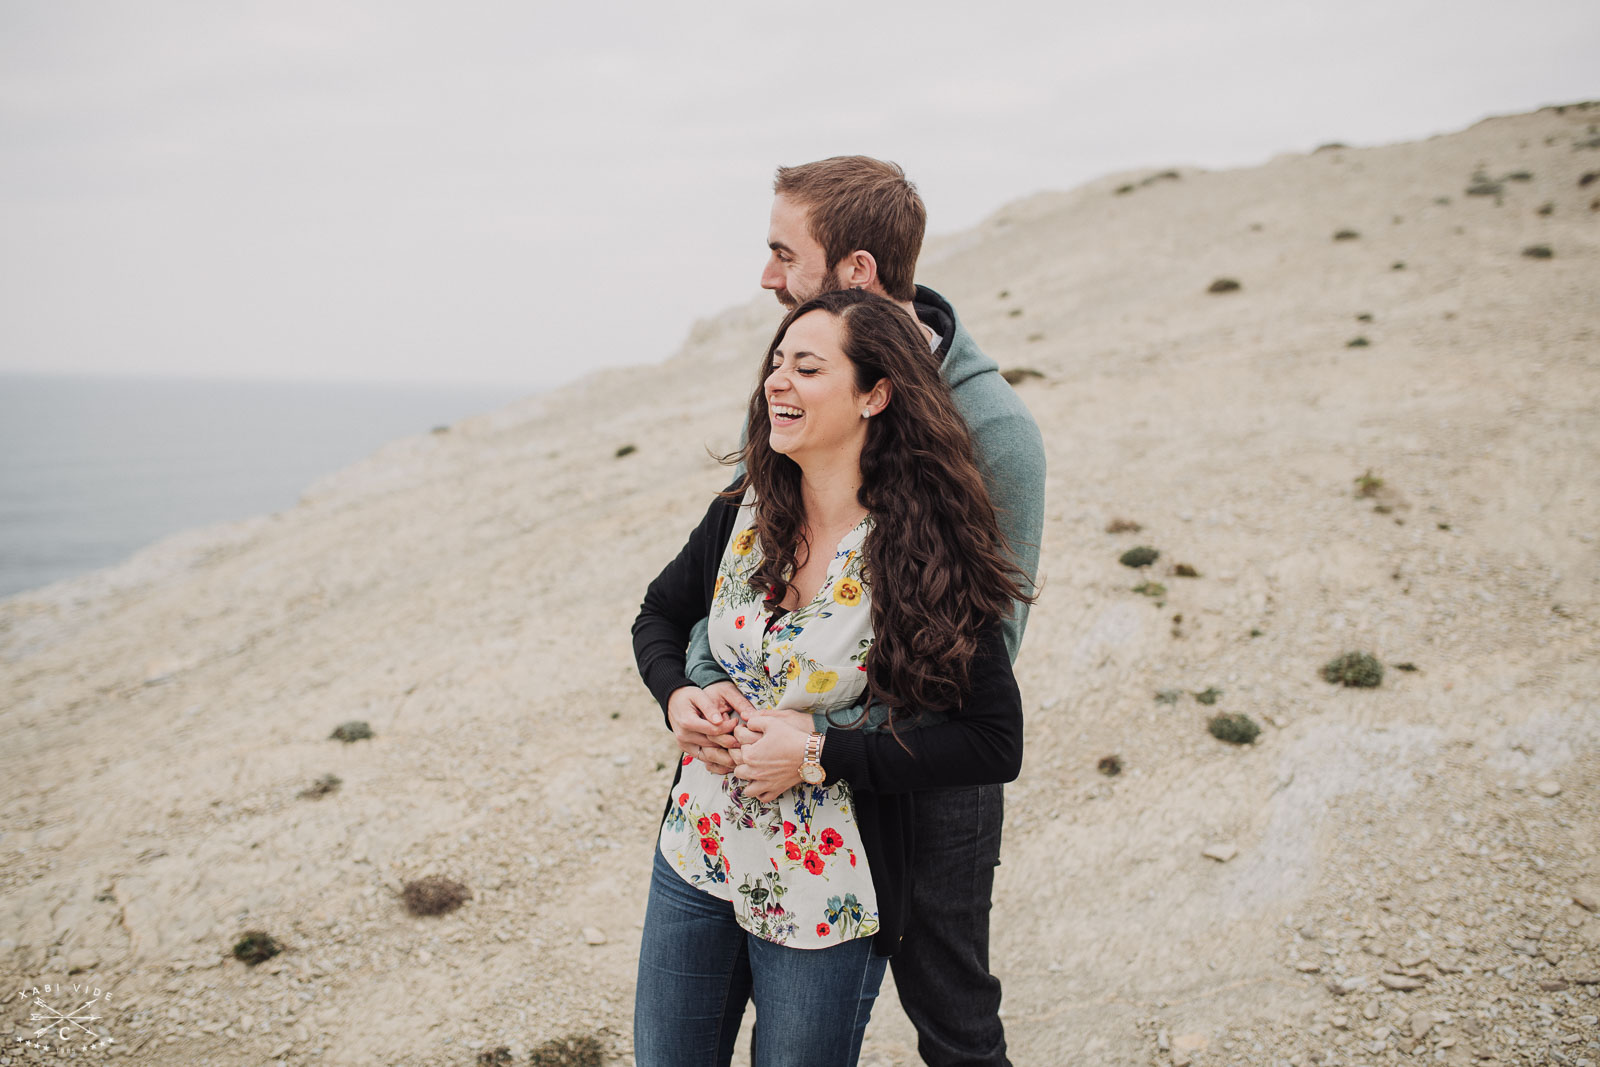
857	560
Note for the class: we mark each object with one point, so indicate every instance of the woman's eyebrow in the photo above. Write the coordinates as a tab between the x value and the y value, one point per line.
778	354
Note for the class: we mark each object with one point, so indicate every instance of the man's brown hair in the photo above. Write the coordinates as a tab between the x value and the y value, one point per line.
859	202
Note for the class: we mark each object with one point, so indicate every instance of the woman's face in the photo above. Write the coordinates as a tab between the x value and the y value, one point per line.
813	407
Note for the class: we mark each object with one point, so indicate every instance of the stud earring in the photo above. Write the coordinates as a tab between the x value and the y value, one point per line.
865	414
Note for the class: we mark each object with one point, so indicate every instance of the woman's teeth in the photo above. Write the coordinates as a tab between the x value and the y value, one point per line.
783	412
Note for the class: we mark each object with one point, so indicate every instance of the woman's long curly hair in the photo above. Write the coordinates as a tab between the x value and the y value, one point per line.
935	560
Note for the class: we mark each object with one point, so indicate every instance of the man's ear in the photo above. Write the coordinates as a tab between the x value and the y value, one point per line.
858	270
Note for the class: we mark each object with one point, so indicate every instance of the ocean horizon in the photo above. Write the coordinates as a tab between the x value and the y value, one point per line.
94	468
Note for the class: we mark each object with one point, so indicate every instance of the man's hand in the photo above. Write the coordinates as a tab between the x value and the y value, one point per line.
702	724
772	746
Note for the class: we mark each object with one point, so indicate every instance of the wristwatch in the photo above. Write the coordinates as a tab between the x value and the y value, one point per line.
811	771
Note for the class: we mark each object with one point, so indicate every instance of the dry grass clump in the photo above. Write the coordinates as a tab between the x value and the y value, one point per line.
354	730
1123	526
1018	375
328	783
1184	570
577	1050
1151	589
255	946
626	450
1208	695
1368	484
498	1057
1538	252
1354	669
434	895
1140	556
1236	728
1224	285
1110	766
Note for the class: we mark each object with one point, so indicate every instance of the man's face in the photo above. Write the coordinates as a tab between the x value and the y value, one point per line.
796	268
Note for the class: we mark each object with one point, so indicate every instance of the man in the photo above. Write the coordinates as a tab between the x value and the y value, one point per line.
855	222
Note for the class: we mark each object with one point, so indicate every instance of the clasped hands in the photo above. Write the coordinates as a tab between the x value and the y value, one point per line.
720	728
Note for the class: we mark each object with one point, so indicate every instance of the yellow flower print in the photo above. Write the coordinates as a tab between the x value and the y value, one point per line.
821	681
717	589
847	592
792	671
744	543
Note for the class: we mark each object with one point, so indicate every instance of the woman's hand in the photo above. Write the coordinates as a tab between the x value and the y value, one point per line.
702	724
772	745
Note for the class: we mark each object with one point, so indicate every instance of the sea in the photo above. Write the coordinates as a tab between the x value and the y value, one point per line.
94	468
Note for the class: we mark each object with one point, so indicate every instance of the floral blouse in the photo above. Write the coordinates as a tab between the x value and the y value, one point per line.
794	869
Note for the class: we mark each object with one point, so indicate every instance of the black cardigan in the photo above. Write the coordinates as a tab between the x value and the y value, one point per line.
980	744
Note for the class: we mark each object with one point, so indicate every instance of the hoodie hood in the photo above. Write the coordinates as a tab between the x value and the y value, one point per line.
959	356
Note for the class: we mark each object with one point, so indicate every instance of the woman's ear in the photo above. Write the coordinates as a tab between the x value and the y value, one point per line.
877	398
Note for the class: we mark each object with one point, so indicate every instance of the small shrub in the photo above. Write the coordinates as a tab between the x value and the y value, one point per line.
354	730
328	783
581	1050
1518	176
627	450
1168	696
1587	178
1256	631
1003	294
1015	313
1141	556
1368	484
1110	766
1124	190
1357	342
1547	208
1398	264
255	946
1123	526
1183	570
1485	187
1224	285
1151	589
1408	667
1208	696
1018	375
1354	669
1346	235
434	895
1236	728
1365	316
1538	252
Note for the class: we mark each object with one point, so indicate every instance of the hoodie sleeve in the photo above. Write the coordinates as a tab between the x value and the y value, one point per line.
980	743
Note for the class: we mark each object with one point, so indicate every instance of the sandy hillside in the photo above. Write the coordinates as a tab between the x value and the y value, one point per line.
1412	871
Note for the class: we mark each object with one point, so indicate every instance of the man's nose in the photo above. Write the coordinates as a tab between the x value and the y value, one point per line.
771	276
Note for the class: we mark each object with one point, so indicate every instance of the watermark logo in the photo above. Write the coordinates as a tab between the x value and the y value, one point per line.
62	1016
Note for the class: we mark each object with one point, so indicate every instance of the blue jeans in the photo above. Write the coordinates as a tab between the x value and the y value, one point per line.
698	967
942	968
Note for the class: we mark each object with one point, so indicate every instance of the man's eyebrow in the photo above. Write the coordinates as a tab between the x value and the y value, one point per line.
779	246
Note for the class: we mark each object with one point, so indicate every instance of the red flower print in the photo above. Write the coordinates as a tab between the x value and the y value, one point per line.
683	798
791	850
773	862
862	667
831	841
822	929
687	759
709	844
788	829
738	624
813	862
852	859
704	826
716	818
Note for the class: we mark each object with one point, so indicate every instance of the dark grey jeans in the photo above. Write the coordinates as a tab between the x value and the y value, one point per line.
941	969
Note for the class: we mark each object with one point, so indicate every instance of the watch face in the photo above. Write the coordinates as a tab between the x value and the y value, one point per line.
813	773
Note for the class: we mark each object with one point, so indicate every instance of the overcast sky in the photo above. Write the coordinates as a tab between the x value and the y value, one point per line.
518	192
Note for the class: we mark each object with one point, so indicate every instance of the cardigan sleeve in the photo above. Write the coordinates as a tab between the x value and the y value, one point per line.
679	597
981	743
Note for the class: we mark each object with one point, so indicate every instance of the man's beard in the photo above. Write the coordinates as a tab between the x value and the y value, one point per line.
830	283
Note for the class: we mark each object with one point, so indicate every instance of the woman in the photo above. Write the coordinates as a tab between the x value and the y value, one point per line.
857	558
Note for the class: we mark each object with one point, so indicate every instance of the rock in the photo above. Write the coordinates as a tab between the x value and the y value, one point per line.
1222	853
1420	1022
1308	967
1552	985
82	959
1548	788
1340	987
1195	1042
593	935
1586	897
1400	982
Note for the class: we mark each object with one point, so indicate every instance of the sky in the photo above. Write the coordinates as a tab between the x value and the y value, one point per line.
517	193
